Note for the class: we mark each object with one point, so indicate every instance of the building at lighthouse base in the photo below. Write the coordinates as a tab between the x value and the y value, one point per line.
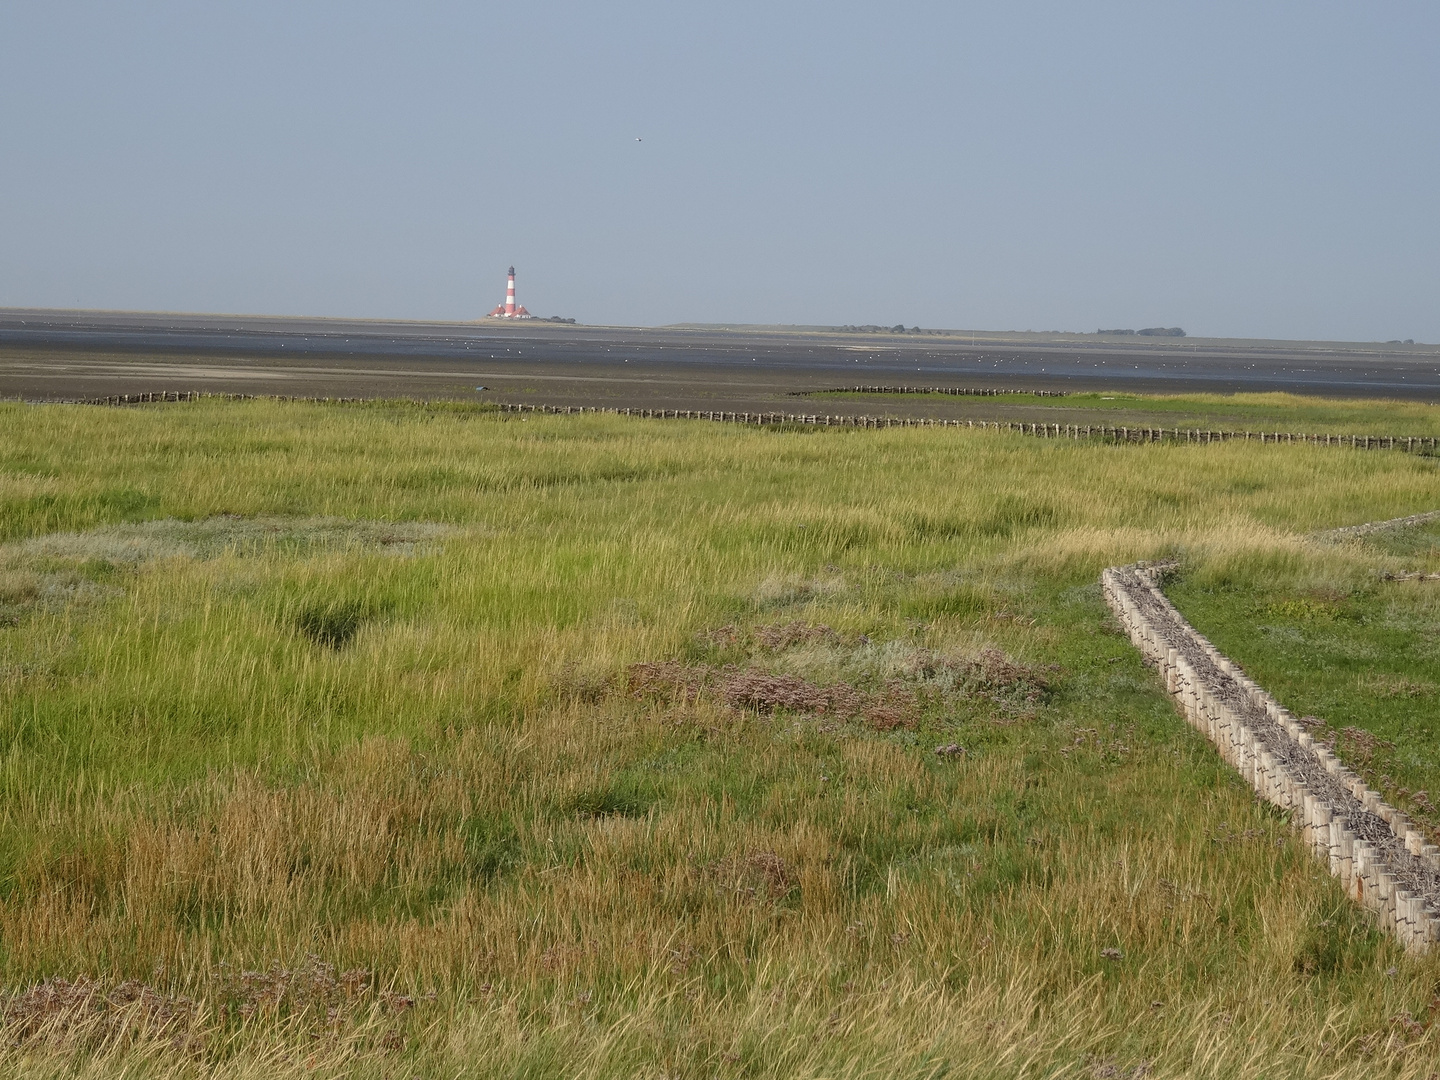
518	313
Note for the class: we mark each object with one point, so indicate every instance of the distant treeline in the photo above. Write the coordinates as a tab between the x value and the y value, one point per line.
871	328
1149	331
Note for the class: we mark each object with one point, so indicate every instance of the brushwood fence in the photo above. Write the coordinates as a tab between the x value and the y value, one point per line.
1089	432
1384	861
952	391
1120	434
198	395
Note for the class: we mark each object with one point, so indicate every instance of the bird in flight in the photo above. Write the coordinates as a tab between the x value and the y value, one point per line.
638	139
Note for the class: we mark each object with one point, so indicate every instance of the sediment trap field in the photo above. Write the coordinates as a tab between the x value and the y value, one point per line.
400	741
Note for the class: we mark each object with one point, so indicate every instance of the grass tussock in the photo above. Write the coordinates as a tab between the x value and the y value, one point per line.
394	741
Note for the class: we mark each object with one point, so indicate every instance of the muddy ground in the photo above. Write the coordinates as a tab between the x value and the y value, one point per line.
76	355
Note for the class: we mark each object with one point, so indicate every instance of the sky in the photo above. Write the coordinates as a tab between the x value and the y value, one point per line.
1243	169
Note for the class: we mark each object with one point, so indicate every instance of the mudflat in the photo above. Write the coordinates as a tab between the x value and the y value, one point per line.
69	355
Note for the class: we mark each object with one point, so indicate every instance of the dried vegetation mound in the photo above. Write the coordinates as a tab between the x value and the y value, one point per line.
315	998
754	875
755	690
85	1011
915	679
990	674
777	637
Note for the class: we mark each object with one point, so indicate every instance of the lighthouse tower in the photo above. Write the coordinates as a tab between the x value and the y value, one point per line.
510	309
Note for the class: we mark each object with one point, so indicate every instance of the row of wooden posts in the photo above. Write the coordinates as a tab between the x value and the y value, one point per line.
1386	878
1409	443
197	395
1108	433
954	391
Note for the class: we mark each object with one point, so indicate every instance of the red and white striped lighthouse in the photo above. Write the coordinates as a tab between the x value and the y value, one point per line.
510	309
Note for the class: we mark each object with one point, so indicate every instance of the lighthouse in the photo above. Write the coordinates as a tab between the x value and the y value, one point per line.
510	309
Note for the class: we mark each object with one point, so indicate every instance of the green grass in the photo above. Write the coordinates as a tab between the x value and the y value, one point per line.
302	690
1230	412
1338	634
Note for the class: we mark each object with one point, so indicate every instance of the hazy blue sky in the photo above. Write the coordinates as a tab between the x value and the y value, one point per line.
1255	168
